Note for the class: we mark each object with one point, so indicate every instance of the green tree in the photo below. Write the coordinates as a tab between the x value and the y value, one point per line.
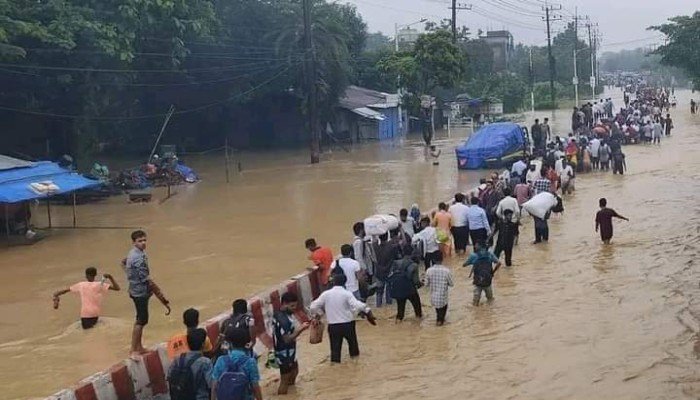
681	48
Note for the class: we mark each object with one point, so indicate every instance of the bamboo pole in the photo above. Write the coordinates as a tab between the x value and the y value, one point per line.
7	221
48	210
75	221
226	159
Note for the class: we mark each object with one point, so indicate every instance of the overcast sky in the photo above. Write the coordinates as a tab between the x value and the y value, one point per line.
622	23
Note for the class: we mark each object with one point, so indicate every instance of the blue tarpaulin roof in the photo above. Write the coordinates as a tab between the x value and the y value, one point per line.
15	183
491	141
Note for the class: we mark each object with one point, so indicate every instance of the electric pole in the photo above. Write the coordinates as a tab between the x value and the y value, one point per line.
592	47
310	72
549	18
457	6
575	80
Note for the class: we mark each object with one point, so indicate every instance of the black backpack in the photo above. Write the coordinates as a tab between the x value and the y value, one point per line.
483	272
337	271
181	379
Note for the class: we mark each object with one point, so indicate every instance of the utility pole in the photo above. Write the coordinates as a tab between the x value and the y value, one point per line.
457	6
312	109
550	18
590	44
532	86
575	80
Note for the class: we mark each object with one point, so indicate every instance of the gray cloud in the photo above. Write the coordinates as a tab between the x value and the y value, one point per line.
622	23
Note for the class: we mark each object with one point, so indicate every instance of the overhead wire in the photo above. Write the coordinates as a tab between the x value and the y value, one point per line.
141	117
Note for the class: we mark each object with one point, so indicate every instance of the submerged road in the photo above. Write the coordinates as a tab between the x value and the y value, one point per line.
573	319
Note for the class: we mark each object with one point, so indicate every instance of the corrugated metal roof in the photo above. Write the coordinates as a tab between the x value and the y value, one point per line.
357	97
368	113
7	162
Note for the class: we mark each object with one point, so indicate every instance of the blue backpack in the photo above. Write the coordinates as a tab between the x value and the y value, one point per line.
234	383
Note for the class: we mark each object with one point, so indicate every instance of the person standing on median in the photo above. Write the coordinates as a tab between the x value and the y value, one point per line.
141	287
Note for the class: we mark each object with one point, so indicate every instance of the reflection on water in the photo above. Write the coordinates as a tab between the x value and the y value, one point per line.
572	318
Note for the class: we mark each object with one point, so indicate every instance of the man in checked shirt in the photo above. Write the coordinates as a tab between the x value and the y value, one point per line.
438	279
543	184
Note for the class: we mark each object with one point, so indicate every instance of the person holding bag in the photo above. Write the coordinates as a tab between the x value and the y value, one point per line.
340	307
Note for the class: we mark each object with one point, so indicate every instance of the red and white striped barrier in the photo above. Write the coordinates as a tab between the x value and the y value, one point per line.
146	379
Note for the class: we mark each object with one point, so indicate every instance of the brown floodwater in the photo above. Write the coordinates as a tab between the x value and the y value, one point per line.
573	319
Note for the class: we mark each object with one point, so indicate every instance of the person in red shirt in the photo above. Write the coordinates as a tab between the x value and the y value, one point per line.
603	220
322	257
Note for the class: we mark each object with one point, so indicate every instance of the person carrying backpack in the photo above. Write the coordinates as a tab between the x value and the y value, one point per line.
349	267
482	262
404	282
188	376
507	230
235	376
240	319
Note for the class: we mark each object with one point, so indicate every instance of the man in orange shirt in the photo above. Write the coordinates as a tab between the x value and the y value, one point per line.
91	294
322	257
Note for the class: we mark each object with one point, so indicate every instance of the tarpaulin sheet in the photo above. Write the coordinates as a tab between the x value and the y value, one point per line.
491	141
15	183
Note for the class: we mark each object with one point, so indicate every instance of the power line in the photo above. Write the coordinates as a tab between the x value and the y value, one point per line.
509	7
490	15
141	117
255	71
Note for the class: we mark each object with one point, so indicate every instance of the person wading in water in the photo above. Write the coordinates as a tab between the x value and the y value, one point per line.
603	220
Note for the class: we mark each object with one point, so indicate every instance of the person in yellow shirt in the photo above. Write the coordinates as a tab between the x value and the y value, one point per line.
178	344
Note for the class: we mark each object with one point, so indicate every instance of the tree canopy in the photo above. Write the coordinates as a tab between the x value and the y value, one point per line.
681	47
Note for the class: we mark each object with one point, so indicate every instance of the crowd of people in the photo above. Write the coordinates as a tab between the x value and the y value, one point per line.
393	265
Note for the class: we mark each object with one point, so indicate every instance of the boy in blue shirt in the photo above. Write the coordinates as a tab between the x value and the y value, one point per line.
238	356
482	262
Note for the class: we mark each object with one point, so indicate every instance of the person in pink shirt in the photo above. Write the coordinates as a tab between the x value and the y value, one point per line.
522	192
91	294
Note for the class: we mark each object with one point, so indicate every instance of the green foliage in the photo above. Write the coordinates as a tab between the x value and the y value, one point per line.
681	48
509	88
439	61
210	58
543	100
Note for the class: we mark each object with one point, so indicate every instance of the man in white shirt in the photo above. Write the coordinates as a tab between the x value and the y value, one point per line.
595	148
351	269
340	308
407	222
519	168
532	174
428	237
508	203
567	178
460	227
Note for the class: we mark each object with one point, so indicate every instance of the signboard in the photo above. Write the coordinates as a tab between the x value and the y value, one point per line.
575	80
592	81
495	108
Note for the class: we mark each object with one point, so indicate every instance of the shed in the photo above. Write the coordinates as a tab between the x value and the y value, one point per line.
367	114
22	181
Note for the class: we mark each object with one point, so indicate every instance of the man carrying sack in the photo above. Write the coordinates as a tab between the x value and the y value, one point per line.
340	307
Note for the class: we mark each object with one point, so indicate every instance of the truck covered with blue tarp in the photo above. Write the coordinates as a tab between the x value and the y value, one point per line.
493	142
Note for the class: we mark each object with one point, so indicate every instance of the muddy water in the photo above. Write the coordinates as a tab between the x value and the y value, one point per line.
572	319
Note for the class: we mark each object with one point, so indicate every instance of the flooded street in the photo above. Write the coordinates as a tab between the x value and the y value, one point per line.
573	319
